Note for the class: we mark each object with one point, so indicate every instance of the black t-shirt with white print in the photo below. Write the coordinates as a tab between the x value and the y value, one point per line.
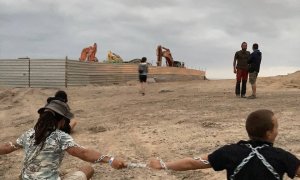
229	157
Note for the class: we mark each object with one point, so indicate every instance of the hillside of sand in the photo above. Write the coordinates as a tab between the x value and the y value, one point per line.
174	120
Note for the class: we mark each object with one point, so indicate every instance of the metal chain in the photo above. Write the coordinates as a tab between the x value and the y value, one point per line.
265	162
136	165
162	164
251	155
12	145
101	158
202	160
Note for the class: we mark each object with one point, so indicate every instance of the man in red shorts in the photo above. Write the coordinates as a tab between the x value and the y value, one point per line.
240	68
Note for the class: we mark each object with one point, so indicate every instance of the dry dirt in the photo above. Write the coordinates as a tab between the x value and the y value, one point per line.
174	120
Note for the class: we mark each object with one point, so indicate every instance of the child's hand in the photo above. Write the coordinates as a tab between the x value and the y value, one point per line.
118	163
155	164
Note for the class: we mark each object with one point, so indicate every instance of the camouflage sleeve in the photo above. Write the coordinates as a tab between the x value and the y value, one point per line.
21	141
67	141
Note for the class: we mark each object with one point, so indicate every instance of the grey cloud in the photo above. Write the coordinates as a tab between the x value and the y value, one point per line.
203	33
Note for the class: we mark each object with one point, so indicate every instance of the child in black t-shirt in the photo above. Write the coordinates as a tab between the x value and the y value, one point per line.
252	159
143	71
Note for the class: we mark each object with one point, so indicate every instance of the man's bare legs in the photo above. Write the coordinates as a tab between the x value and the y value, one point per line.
253	89
253	96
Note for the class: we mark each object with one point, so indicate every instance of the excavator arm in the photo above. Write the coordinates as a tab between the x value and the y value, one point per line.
113	58
84	54
166	53
88	54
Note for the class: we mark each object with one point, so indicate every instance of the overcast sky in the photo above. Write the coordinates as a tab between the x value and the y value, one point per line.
203	33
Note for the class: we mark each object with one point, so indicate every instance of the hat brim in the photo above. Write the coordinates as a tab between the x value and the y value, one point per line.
54	108
68	115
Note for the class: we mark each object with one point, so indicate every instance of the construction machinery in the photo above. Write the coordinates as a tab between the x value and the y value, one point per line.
136	61
88	54
166	53
113	58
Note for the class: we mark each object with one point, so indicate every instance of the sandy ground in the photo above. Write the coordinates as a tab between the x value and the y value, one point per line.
174	120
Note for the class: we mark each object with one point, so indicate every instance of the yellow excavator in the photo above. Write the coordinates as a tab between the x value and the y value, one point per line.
113	58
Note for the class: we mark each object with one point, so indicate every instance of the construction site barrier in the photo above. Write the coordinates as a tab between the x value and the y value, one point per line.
65	73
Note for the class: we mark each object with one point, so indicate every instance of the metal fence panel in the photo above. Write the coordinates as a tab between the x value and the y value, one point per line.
63	73
14	72
47	73
77	73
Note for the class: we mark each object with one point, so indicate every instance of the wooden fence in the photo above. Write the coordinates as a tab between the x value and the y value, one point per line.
64	73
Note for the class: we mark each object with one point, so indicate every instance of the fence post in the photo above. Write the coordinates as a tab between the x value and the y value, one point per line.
29	69
66	73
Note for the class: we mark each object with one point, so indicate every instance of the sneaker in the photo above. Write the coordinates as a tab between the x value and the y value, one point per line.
243	96
252	96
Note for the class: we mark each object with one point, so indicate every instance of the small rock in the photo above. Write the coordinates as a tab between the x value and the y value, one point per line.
97	129
165	91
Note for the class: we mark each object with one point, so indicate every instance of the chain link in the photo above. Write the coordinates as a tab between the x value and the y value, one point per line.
202	160
251	155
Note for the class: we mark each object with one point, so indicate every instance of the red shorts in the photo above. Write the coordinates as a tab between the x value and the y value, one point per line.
241	74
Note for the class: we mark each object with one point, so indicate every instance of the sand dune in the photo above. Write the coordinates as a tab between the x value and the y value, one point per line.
174	120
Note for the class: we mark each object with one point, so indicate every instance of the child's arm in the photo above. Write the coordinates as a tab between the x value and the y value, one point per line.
8	148
182	164
91	155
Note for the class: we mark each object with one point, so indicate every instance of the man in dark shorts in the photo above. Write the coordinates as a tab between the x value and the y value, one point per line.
254	66
246	160
240	68
143	72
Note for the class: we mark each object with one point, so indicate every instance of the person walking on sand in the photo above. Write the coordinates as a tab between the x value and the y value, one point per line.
240	68
254	66
143	72
245	160
46	144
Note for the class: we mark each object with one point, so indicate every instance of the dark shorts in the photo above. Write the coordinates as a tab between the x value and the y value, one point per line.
241	74
143	78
